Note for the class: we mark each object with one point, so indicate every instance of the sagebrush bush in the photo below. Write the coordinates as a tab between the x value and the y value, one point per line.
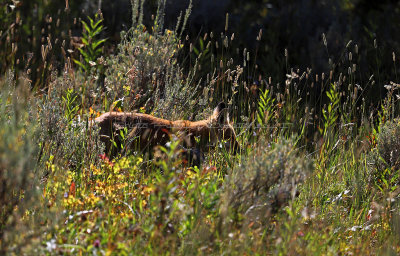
18	153
384	159
263	184
65	130
138	73
145	72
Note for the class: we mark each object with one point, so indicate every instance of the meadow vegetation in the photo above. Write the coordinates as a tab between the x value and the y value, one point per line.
317	173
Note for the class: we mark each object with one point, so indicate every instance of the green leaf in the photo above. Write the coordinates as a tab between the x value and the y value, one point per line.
262	101
91	21
80	64
85	41
196	51
97	23
97	31
201	44
97	43
260	119
84	54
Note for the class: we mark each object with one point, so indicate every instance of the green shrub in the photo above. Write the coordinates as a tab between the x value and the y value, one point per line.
145	72
66	132
384	159
263	184
17	157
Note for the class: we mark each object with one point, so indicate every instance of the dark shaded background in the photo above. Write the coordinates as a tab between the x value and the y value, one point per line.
294	25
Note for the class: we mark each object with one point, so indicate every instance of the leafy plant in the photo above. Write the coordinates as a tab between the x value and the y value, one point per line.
328	130
263	184
384	159
71	106
265	107
92	48
145	72
331	114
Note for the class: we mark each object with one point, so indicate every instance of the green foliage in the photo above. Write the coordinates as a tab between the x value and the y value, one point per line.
202	54
331	114
18	176
65	133
384	159
145	72
263	184
71	106
329	129
265	107
93	47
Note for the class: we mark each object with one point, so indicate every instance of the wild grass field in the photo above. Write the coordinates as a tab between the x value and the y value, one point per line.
317	172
